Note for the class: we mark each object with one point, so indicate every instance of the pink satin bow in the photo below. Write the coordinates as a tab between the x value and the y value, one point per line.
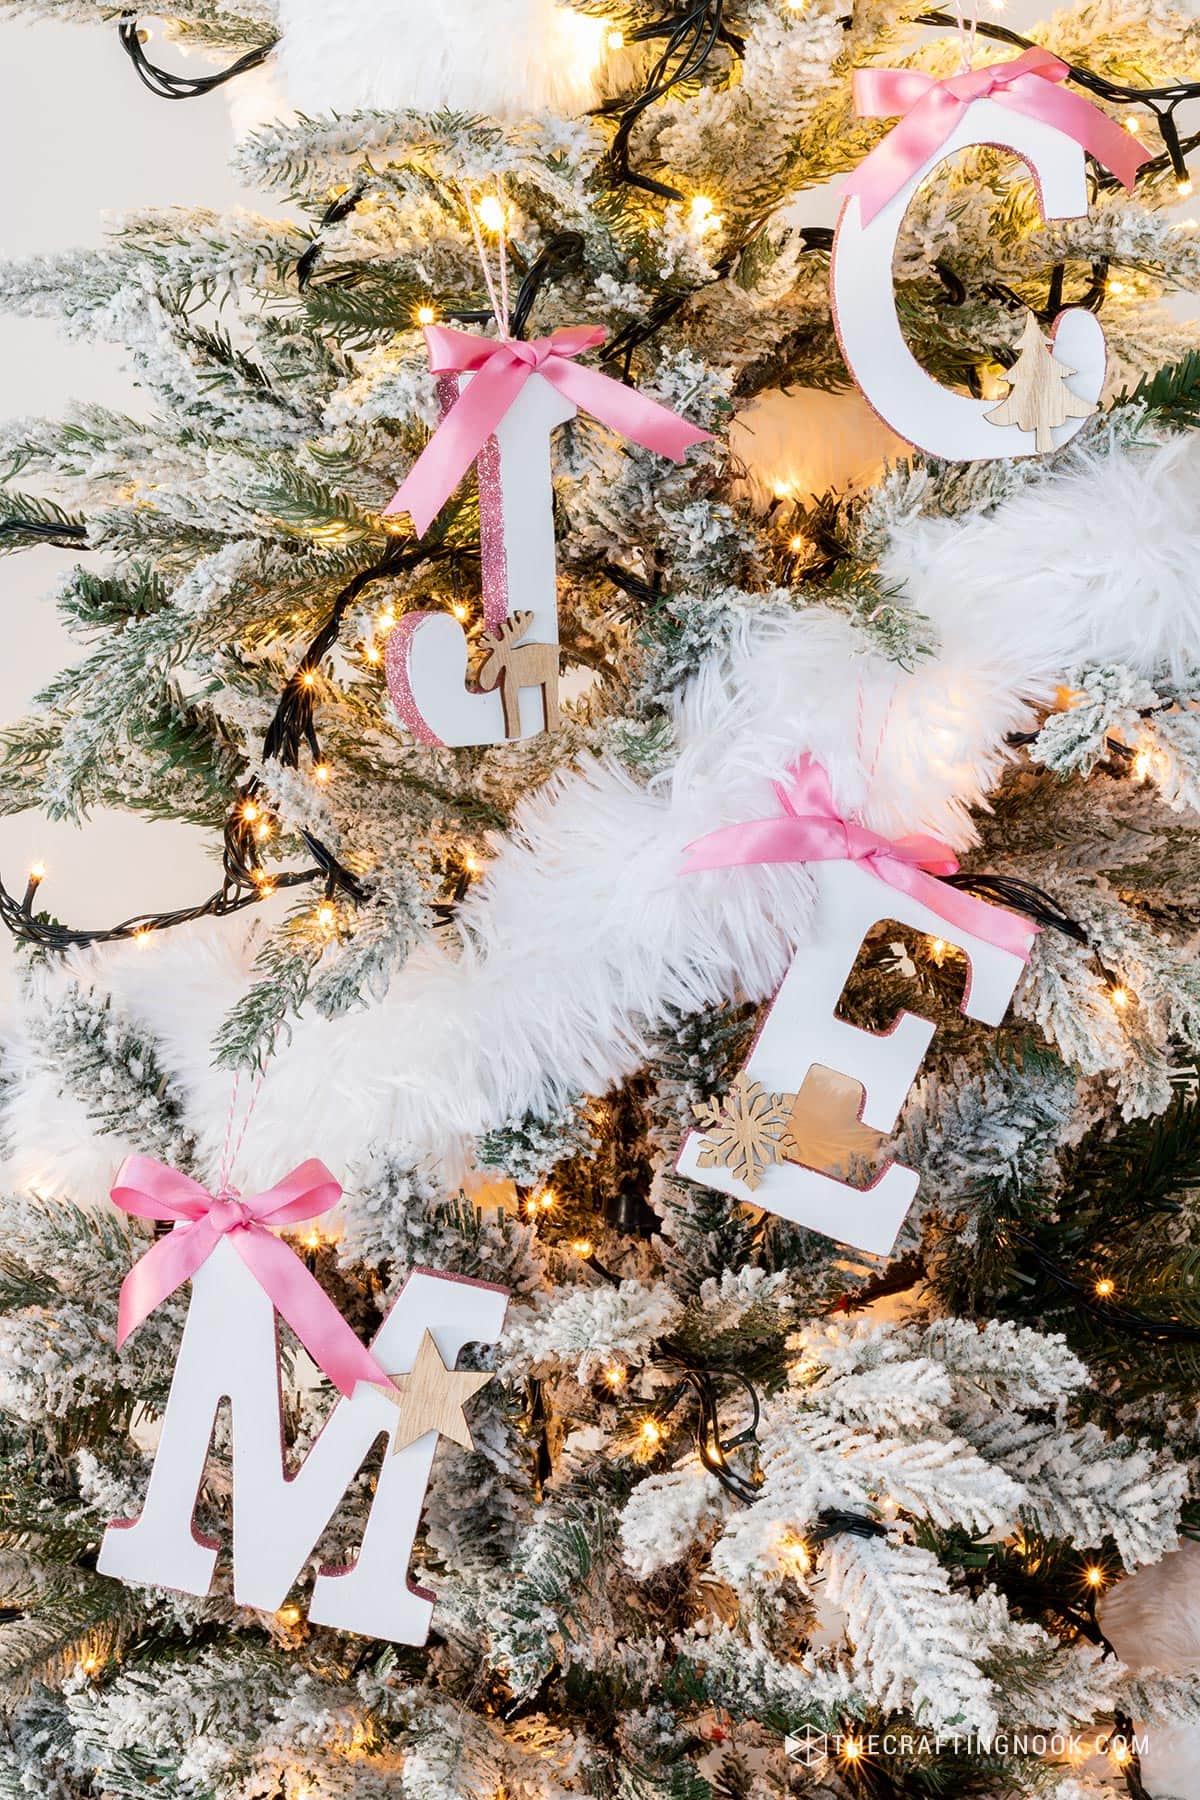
501	367
151	1190
1030	84
810	829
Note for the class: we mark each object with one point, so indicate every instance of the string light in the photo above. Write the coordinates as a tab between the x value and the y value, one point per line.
1120	1752
615	39
288	1615
386	619
460	610
141	937
312	1241
1120	998
582	1246
426	315
321	772
615	1375
37	874
703	216
371	652
794	1555
1115	287
1143	762
491	213
651	1434
1133	123
1106	1288
249	812
798	543
471	864
1095	1577
308	678
851	1750
1183	187
326	917
262	830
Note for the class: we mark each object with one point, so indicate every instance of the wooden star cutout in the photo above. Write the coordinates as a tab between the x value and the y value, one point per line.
431	1398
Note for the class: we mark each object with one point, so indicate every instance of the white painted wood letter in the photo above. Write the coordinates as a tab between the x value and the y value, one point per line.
928	415
801	1031
230	1351
426	657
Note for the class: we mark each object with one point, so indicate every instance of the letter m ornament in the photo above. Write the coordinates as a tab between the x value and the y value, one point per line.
230	1350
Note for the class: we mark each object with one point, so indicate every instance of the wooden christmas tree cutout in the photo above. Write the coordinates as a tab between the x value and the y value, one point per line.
1038	398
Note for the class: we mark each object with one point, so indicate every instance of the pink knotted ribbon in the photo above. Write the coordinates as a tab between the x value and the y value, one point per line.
151	1190
501	367
1030	84
810	829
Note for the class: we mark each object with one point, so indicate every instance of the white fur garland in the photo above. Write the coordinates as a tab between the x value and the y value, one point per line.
505	58
583	933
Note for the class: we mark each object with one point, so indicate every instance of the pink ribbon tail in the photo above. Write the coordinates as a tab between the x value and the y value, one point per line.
810	829
151	1190
501	367
1031	84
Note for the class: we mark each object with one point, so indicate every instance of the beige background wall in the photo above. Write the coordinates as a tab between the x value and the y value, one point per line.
80	138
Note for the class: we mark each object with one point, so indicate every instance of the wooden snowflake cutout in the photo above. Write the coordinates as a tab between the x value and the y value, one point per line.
745	1131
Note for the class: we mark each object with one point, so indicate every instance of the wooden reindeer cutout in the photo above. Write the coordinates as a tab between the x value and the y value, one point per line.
512	665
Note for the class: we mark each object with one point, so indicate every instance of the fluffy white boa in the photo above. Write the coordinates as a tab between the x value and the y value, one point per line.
584	933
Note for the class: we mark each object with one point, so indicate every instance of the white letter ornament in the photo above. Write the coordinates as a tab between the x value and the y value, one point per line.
932	417
801	1031
427	652
230	1351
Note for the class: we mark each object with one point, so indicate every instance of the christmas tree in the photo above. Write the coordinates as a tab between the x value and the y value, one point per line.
746	1511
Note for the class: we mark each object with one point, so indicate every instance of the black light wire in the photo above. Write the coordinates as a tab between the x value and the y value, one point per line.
181	87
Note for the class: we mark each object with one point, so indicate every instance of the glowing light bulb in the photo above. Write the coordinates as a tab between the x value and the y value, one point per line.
491	213
460	611
426	315
651	1434
313	1239
308	678
372	653
938	949
615	1375
1121	1753
263	829
1095	1577
141	937
249	812
798	543
471	864
321	772
582	1246
288	1615
1143	762
265	888
37	873
615	38
1183	186
1120	998
386	619
548	1200
326	917
1106	1288
702	208
1133	123
852	1750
